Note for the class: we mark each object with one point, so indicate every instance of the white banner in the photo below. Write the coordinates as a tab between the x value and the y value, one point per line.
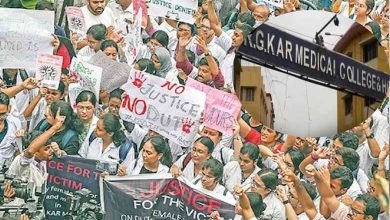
179	10
23	35
170	109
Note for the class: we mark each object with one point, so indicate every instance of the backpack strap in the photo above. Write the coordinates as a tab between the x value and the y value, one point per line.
140	147
225	192
68	135
186	160
197	181
92	137
223	162
124	150
43	126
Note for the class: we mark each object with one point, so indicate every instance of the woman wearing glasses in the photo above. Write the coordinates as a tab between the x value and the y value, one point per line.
210	178
85	106
191	165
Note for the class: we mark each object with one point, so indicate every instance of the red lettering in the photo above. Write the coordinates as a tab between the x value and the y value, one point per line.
178	90
138	104
213	205
54	165
154	188
196	203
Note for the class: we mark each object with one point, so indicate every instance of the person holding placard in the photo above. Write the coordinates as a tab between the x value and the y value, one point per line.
211	176
9	125
156	156
190	165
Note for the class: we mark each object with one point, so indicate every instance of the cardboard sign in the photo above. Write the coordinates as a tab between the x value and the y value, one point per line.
48	70
76	21
114	74
222	108
23	35
179	10
170	109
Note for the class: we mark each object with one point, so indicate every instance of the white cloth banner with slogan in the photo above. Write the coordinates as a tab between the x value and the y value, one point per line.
23	35
170	109
179	10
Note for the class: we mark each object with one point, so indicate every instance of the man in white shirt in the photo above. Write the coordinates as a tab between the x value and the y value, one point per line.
96	12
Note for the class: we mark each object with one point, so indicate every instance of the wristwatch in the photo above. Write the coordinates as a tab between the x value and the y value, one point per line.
285	202
207	54
370	136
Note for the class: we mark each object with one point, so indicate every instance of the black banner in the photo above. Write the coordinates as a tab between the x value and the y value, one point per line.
156	197
68	175
271	46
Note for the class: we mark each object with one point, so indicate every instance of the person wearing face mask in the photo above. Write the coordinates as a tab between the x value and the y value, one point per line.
9	125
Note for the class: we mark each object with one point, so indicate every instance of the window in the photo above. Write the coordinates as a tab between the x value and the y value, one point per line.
368	101
370	51
348	104
250	94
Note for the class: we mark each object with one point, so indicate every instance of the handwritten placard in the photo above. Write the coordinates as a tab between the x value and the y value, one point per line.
48	70
170	109
222	108
76	20
88	77
179	10
23	35
141	8
134	41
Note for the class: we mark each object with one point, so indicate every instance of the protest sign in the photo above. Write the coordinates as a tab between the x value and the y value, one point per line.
170	109
23	35
76	20
179	10
134	41
114	74
48	70
159	197
141	5
221	110
88	77
67	175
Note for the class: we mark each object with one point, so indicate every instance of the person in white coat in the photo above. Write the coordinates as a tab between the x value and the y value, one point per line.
211	176
156	155
190	165
106	145
85	107
9	125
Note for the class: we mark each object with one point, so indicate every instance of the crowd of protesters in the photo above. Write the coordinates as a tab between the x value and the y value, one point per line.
271	175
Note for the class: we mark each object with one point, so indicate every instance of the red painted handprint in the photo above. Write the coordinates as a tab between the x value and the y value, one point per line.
138	80
187	124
